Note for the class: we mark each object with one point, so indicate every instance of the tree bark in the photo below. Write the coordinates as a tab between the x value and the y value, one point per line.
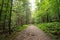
10	17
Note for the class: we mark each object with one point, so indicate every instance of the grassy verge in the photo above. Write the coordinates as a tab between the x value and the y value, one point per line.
20	28
17	30
13	34
52	29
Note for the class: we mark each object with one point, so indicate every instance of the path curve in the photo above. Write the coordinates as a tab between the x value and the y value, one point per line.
32	33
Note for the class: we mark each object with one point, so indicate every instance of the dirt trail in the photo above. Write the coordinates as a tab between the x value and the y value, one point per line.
32	33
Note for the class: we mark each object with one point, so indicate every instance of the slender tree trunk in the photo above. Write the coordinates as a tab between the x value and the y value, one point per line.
58	9
1	8
47	18
4	24
5	15
1	11
10	17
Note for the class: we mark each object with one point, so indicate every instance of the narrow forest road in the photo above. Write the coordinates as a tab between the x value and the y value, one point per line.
32	33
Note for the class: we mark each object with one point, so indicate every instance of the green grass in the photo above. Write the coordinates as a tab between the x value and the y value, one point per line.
52	29
20	28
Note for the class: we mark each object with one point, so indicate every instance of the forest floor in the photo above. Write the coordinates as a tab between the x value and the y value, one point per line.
32	33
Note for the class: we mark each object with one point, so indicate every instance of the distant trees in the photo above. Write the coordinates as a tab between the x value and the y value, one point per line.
23	11
13	13
27	11
47	10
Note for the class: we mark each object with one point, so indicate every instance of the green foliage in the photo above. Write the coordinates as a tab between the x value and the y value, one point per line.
47	11
52	29
20	28
13	13
21	12
14	34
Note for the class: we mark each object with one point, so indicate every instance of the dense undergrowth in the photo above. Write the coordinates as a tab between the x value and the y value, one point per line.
20	28
52	29
13	33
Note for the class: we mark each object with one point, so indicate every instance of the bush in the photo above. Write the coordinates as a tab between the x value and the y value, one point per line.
50	28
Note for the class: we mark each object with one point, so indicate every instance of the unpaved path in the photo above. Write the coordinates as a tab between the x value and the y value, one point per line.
32	33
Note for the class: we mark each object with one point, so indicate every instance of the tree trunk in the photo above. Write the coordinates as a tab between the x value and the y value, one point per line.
1	11
10	17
